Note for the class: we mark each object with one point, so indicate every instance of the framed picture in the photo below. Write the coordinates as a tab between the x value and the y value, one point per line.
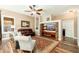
25	23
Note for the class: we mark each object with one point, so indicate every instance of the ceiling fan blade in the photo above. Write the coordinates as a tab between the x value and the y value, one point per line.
40	10
27	11
30	7
38	13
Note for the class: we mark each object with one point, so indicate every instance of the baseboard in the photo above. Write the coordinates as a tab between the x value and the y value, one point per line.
73	37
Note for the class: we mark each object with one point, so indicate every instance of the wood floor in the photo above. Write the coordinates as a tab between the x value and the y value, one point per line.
68	45
44	45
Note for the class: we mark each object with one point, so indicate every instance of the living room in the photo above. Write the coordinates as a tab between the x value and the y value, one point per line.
59	25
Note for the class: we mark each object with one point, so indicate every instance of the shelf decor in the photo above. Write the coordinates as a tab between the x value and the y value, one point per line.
8	22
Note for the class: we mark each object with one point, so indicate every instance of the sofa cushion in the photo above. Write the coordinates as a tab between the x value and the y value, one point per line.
26	38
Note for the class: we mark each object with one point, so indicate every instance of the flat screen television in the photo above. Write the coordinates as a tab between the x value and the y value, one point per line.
51	26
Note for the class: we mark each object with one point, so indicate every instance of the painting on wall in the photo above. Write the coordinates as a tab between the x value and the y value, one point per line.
25	24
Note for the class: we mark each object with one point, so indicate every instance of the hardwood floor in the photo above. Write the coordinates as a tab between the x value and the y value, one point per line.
68	45
44	45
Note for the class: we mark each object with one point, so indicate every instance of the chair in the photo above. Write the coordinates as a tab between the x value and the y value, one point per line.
26	43
11	47
27	46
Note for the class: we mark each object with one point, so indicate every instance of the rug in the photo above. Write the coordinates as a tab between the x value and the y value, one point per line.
41	43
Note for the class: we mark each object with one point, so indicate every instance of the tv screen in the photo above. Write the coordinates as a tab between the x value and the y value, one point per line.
51	26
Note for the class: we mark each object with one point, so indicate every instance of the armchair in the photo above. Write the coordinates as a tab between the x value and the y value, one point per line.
26	43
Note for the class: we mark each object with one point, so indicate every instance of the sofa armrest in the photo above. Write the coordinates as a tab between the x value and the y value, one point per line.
27	45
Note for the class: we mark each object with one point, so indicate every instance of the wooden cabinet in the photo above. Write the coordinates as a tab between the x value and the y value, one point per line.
52	32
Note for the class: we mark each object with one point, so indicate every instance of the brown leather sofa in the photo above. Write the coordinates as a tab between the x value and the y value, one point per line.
26	32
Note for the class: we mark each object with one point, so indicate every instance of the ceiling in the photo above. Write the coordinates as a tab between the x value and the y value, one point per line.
47	9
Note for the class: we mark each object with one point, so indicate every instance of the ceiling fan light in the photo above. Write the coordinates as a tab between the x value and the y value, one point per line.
33	12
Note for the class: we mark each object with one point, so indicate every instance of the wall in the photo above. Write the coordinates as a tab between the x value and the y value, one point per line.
37	25
78	27
78	30
59	27
68	23
18	17
68	26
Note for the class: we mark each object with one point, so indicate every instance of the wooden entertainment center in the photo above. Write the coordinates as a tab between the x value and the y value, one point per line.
51	32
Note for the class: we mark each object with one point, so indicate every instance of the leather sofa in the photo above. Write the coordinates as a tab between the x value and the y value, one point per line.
26	32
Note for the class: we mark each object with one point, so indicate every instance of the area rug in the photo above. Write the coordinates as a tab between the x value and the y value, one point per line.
41	43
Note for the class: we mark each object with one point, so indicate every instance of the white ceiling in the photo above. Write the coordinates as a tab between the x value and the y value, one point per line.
47	9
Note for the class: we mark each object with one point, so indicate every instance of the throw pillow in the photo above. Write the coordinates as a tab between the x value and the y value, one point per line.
27	38
19	34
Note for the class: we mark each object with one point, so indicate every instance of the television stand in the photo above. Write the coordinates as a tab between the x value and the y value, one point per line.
49	33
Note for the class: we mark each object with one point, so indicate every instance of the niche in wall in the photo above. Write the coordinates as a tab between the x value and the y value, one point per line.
57	31
8	24
49	30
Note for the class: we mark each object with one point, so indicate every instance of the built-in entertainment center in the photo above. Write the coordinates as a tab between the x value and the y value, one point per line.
49	30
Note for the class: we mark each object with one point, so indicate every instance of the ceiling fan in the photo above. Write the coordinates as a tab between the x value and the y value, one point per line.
34	10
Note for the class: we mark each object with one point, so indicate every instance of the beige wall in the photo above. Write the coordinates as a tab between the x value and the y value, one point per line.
18	17
68	16
64	16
